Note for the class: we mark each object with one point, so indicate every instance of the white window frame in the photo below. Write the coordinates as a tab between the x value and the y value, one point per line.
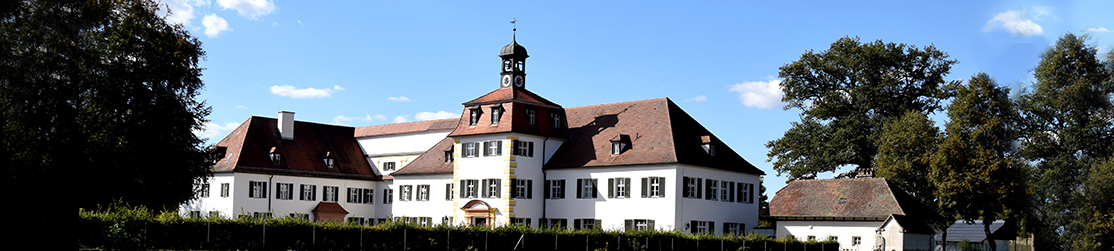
714	184
405	192
389	165
725	191
308	192
423	192
469	149
654	187
258	189
225	190
331	194
285	191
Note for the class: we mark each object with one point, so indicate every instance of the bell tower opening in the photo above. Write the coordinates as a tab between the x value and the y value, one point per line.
514	57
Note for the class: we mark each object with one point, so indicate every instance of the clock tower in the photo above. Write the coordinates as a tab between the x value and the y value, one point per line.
514	65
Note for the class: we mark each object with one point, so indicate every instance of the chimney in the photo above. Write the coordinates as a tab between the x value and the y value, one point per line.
286	125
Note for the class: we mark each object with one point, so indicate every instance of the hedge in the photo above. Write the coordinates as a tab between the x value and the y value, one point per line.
139	228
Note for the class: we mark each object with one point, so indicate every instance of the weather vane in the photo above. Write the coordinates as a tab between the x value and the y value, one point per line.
514	28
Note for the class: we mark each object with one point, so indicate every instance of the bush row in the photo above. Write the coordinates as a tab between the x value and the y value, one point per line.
139	228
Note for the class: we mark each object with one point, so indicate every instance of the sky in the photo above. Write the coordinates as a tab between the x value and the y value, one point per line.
361	63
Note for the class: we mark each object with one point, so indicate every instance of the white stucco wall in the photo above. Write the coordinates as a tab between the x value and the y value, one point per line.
436	207
690	209
844	230
239	202
401	144
613	211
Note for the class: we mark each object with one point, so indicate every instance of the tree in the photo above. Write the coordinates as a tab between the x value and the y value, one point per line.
1066	128
97	104
1098	206
905	149
846	94
975	171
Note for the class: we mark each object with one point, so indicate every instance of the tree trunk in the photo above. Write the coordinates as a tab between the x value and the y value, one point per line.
986	221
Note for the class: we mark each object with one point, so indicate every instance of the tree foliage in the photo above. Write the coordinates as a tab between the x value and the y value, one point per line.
905	149
846	94
97	103
1067	129
975	171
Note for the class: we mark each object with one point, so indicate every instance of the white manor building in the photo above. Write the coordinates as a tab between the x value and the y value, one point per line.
512	158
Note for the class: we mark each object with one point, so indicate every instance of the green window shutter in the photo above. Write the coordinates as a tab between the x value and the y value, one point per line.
645	186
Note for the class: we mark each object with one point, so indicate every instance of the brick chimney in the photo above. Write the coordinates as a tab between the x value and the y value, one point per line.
286	125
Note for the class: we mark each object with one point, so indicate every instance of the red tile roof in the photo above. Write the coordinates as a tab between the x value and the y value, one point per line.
329	207
862	197
400	128
249	145
511	94
430	162
659	131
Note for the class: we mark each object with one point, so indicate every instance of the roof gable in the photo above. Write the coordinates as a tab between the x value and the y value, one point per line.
511	94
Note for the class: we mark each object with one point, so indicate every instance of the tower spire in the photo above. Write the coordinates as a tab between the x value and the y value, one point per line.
514	28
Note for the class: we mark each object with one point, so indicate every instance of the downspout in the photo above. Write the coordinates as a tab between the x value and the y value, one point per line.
543	179
270	183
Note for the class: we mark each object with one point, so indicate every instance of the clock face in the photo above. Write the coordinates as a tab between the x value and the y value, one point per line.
518	81
506	80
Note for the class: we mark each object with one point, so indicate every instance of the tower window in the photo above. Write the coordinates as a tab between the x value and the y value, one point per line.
531	116
556	120
506	65
520	65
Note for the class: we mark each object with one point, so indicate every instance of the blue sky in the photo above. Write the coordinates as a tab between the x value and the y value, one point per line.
375	62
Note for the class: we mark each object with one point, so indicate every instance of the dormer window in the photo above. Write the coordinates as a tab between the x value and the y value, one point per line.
619	144
556	120
276	157
219	153
617	147
474	116
448	156
329	159
706	143
710	149
496	113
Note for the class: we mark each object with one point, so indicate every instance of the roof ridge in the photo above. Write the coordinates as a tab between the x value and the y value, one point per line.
410	122
619	103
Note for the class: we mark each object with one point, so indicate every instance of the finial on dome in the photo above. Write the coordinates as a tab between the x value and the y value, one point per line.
514	28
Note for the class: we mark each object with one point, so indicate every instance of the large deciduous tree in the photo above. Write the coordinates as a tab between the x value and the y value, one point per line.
905	150
1067	128
975	171
846	94
97	104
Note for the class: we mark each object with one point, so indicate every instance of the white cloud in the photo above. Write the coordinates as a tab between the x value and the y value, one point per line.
242	107
400	98
342	120
700	98
1099	29
300	22
252	9
214	25
290	91
210	129
181	11
438	115
401	118
374	118
760	94
1016	22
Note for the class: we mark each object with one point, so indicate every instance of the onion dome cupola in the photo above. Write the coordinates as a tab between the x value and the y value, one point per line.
514	65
